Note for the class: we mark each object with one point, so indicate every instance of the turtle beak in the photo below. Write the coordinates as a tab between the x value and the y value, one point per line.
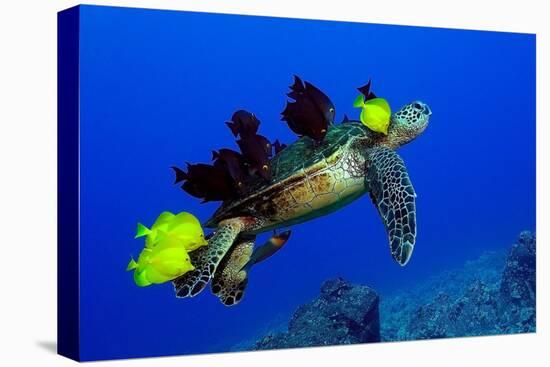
427	111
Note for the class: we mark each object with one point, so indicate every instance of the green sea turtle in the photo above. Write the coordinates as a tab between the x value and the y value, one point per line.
311	179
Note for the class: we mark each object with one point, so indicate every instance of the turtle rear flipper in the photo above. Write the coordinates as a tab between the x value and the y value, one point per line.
230	279
392	192
207	258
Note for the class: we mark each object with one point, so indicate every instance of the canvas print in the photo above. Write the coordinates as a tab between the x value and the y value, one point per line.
240	183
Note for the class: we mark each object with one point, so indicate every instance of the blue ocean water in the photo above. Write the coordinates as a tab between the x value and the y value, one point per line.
156	88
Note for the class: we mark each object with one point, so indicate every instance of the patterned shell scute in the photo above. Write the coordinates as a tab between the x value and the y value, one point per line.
305	152
293	161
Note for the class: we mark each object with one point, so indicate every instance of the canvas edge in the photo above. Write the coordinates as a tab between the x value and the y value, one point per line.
68	216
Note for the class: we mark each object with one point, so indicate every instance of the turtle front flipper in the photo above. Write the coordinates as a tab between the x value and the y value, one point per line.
230	279
392	192
207	258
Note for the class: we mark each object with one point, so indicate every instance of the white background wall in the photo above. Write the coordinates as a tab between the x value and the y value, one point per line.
28	181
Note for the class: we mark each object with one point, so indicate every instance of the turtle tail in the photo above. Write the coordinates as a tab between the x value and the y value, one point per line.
230	279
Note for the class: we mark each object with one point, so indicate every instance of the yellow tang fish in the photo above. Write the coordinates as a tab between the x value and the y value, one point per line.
165	256
183	226
375	114
166	261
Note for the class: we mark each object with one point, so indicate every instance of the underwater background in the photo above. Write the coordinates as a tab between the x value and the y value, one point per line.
155	90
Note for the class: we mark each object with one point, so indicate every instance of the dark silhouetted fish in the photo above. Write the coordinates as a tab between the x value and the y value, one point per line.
278	146
256	150
310	113
233	162
243	123
207	182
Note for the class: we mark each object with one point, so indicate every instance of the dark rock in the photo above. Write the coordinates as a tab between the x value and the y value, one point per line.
343	314
518	279
494	294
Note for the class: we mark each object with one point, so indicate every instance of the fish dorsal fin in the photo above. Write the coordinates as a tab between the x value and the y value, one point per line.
366	91
132	264
142	231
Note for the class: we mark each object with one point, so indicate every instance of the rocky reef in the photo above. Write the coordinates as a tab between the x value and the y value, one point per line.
494	294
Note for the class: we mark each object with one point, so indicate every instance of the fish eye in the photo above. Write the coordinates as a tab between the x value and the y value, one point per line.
331	110
264	167
239	183
324	131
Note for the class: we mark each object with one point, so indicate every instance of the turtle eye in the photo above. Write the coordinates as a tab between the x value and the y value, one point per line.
417	106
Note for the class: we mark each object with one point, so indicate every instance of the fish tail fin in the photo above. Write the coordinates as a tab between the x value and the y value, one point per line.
132	264
180	175
233	127
142	231
359	101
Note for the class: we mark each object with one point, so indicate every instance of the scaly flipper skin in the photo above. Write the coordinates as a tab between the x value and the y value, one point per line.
230	281
392	192
207	258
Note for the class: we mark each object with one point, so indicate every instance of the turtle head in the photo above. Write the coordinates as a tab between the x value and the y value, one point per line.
407	123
